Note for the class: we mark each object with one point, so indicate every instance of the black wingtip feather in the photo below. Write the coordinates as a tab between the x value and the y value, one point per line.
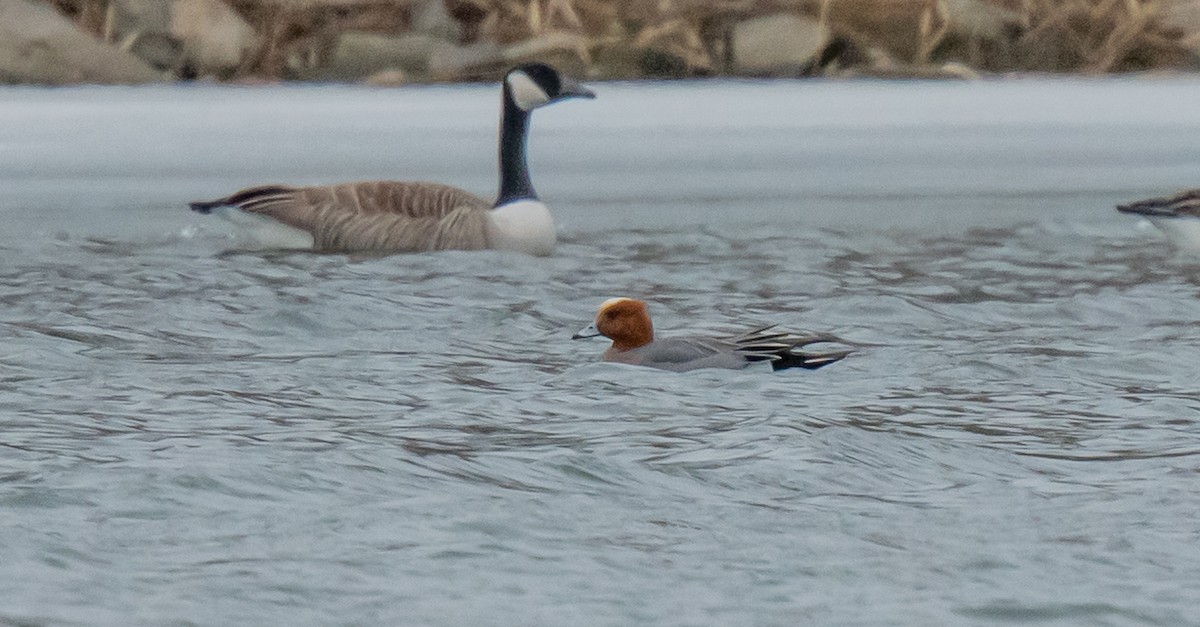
808	361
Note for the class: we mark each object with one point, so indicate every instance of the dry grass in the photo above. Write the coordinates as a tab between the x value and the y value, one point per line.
1086	36
630	38
93	16
308	30
1070	36
1096	36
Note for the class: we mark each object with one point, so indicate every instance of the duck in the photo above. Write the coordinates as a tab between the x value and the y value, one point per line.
400	216
1178	216
626	321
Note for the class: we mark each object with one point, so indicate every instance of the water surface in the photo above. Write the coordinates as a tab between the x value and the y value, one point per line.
193	435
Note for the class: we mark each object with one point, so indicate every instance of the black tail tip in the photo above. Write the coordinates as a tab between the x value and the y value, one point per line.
203	207
1145	209
807	361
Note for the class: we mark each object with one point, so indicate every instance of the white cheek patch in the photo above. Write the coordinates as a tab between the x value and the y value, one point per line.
525	92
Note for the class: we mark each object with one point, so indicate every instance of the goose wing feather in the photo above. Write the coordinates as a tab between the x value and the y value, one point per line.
1183	204
374	215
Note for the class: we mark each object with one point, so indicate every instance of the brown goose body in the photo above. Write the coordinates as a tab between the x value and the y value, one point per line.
371	216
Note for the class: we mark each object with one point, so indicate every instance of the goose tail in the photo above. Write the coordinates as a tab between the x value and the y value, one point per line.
206	207
248	199
1182	204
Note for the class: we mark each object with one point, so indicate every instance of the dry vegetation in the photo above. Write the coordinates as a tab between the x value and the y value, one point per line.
633	38
1094	36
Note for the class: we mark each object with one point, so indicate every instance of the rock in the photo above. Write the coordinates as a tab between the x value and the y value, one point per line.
480	61
673	49
900	27
655	63
566	51
386	78
486	61
615	63
361	55
781	43
141	16
37	45
430	17
141	27
1185	16
955	69
976	18
159	50
470	16
215	38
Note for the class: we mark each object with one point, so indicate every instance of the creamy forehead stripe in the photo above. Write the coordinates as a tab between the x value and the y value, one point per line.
612	301
526	93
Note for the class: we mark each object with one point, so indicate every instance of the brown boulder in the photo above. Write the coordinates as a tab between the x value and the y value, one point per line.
38	45
782	43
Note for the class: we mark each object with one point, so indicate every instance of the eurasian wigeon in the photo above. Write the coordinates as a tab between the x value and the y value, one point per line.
626	322
1178	216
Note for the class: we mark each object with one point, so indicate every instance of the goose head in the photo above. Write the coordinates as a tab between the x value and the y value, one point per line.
532	85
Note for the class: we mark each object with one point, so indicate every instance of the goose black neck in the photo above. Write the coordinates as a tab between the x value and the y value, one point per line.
514	171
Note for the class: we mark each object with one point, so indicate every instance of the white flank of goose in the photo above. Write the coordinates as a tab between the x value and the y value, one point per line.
1178	216
395	216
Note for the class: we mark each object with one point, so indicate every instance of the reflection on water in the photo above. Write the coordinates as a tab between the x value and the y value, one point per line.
193	434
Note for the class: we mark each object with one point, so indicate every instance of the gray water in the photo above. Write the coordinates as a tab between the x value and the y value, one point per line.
197	435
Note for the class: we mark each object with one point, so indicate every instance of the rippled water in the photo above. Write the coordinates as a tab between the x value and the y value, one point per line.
193	435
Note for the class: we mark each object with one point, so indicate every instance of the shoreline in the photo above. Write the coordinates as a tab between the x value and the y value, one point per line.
399	42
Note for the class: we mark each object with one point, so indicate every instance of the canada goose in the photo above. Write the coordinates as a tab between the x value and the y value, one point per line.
1178	216
626	322
393	216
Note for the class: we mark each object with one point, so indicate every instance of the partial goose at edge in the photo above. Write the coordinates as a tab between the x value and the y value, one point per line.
1178	216
396	216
